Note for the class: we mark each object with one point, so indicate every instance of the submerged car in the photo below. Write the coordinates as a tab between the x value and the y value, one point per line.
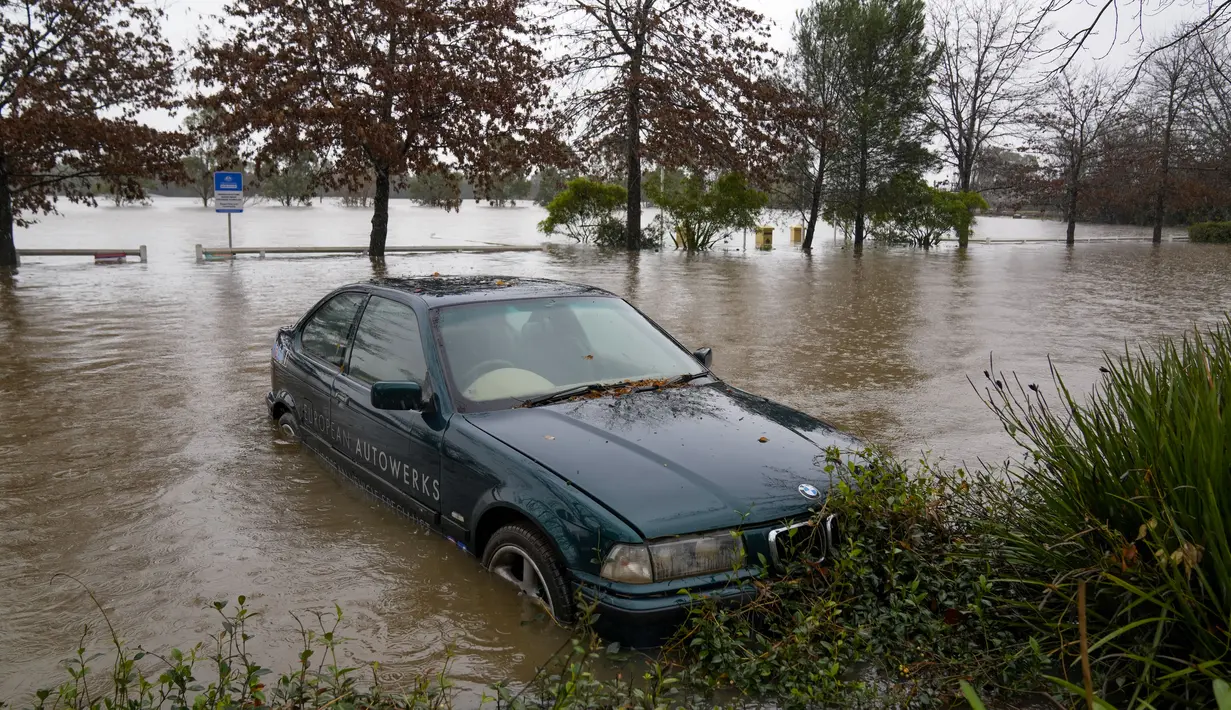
559	435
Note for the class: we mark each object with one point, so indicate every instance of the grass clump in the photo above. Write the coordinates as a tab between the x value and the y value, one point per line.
1125	497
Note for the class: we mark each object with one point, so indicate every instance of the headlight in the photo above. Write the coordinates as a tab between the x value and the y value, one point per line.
672	559
628	563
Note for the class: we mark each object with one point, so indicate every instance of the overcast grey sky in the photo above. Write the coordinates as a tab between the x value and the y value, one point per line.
184	17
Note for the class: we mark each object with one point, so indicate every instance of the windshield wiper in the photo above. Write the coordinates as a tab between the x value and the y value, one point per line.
673	382
565	394
685	378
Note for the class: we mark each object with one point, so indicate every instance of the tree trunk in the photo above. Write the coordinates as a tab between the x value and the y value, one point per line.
861	195
380	218
1160	199
8	250
1072	214
814	208
632	221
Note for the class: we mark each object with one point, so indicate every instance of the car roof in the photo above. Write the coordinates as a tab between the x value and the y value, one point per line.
440	291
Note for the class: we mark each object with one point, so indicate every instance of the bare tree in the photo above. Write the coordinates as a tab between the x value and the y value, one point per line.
1211	113
73	77
379	89
819	80
980	93
680	80
1214	20
1170	80
1080	110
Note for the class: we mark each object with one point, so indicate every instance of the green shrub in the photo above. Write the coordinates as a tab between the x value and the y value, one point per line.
585	211
1213	232
913	212
696	214
1129	493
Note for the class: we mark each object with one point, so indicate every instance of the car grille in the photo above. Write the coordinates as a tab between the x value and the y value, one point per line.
806	541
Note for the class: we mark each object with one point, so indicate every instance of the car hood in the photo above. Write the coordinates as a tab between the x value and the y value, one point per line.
678	460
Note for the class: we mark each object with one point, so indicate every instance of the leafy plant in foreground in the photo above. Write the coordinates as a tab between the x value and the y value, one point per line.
896	617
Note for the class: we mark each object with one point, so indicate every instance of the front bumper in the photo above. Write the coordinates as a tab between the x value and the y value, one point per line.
647	615
646	622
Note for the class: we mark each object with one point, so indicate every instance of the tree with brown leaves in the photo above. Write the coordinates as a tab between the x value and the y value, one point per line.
380	89
681	81
73	77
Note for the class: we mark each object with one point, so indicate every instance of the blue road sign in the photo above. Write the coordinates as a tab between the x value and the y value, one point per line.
229	192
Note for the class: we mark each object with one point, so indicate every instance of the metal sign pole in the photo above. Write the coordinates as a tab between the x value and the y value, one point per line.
229	198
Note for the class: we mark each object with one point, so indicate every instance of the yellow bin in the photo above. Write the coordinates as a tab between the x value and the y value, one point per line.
764	237
797	233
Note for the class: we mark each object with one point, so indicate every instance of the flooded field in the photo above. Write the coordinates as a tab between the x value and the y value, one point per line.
135	452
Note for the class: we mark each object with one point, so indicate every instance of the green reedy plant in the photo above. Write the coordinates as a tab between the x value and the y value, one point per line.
1129	491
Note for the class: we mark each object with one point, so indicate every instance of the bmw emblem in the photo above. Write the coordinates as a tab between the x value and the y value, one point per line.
809	491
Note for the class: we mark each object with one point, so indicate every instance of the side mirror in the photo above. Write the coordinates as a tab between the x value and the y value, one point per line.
705	356
399	396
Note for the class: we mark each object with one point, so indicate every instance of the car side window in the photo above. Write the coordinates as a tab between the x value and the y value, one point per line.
387	345
326	332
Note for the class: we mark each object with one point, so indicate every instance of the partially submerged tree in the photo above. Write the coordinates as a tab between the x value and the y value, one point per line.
381	89
436	189
1080	110
819	75
504	190
73	77
208	154
294	181
697	213
1170	80
683	81
917	213
585	211
887	66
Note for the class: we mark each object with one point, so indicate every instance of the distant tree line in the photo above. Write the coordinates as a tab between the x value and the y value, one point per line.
448	101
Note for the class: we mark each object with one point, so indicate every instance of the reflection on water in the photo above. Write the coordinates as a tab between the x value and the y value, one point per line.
135	452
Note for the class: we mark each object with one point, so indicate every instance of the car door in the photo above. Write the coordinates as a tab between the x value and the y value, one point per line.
316	358
396	450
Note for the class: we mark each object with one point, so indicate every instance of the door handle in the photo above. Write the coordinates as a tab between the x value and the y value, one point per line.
341	397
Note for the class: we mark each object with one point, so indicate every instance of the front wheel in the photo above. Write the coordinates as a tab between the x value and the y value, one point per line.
519	553
289	426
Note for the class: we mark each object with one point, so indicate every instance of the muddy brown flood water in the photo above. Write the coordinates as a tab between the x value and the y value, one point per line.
135	452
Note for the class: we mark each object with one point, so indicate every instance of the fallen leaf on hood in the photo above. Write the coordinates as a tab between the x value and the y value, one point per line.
435	273
763	439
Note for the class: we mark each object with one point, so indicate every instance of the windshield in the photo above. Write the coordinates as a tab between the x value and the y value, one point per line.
502	353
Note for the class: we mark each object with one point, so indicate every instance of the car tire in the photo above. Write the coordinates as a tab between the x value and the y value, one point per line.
518	550
288	425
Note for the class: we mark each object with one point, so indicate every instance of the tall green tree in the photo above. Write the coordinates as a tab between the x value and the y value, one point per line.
887	64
